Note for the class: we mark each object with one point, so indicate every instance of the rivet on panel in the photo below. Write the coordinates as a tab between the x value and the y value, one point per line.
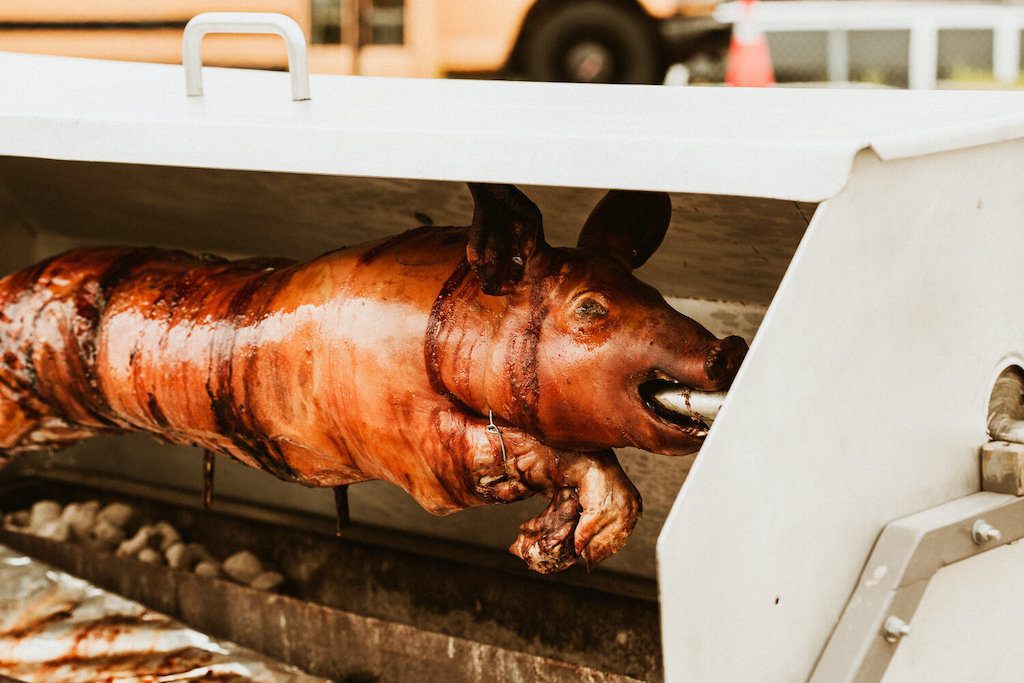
894	629
983	532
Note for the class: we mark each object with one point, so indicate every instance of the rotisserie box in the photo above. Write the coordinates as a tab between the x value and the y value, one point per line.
396	329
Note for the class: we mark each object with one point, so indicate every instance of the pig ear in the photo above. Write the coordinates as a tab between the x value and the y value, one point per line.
507	229
627	225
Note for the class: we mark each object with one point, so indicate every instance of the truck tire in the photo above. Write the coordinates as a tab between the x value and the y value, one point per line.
593	41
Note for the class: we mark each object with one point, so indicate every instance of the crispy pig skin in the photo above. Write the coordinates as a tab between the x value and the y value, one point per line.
381	361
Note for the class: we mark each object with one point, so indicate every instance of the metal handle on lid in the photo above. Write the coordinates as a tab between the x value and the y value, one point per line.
244	22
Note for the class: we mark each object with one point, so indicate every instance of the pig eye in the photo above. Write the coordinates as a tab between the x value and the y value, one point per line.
591	308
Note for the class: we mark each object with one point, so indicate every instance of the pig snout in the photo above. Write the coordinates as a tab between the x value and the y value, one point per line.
685	404
723	361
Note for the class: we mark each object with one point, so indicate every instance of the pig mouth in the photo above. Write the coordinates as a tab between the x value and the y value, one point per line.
669	403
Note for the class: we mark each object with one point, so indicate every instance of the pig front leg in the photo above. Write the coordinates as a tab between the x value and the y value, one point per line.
594	506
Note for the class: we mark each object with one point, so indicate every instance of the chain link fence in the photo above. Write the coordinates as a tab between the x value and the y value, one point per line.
880	57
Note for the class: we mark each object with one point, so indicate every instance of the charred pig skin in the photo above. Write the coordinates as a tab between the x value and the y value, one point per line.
383	361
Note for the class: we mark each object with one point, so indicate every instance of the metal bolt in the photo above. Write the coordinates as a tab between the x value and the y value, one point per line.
894	629
983	532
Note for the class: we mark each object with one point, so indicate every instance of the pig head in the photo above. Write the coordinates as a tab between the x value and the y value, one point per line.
566	349
581	345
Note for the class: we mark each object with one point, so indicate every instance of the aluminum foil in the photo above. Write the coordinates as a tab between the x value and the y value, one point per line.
59	629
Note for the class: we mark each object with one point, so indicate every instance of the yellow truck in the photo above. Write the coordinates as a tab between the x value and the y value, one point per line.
626	41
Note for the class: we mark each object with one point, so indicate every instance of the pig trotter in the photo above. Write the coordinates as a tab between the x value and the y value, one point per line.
593	511
611	507
594	506
545	542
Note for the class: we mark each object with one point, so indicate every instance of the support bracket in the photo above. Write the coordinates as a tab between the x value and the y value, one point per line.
907	555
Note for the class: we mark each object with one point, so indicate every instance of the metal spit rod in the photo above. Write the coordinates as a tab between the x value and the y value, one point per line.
697	405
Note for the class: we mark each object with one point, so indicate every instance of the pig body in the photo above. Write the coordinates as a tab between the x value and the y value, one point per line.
466	365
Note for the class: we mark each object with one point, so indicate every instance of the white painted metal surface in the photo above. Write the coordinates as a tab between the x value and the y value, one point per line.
788	144
924	20
882	612
968	626
244	22
905	284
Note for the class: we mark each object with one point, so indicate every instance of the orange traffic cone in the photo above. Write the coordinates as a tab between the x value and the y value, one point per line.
749	63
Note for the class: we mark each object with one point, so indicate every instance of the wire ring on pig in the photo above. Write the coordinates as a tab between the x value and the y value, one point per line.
493	429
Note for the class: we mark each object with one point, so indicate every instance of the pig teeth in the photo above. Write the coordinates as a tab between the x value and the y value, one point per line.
702	406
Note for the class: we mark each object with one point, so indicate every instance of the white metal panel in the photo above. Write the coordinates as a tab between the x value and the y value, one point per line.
968	626
863	399
908	553
782	143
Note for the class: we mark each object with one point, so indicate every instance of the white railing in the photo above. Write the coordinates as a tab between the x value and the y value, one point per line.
924	20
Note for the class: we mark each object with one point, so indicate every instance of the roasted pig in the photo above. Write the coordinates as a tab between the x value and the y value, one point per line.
466	365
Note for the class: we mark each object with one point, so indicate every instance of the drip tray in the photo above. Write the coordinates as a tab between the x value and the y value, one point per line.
372	605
